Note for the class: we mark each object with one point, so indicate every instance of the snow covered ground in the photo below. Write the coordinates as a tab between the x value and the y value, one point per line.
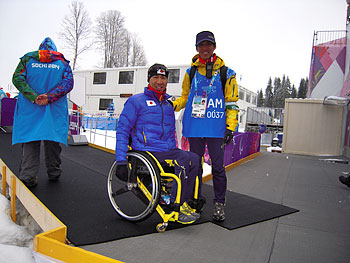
274	149
16	240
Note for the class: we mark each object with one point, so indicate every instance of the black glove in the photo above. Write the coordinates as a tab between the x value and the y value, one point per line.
228	136
122	172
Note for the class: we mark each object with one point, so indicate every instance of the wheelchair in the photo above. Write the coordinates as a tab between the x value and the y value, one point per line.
149	182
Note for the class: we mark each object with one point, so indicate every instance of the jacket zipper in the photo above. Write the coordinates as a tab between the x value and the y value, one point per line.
161	106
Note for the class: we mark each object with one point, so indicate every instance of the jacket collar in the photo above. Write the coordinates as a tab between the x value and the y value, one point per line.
218	62
152	93
46	56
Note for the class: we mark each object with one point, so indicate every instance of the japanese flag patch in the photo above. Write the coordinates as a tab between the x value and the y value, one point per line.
150	103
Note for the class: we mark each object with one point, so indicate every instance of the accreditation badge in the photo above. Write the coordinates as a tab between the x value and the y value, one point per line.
199	106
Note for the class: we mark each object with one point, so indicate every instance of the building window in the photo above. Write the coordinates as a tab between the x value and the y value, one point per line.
174	76
247	98
254	100
100	78
241	95
104	104
126	77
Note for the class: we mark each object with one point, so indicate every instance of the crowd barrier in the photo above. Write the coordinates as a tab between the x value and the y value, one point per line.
101	123
7	110
242	145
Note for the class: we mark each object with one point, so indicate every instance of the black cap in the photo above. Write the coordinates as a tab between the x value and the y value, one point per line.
157	69
205	36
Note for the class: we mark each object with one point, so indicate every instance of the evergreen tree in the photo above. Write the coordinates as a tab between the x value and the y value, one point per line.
293	94
287	91
306	87
269	94
278	94
303	86
260	98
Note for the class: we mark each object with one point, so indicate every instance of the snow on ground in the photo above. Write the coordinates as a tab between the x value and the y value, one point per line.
274	149
15	254
16	242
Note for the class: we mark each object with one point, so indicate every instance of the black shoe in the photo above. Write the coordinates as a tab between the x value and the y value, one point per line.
31	183
219	212
197	204
54	178
344	180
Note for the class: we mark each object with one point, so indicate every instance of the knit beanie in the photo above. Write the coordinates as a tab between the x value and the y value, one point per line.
157	69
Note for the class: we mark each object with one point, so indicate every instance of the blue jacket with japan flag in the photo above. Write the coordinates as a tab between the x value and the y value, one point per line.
149	122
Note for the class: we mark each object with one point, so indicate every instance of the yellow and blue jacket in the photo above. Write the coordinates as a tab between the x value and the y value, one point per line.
222	110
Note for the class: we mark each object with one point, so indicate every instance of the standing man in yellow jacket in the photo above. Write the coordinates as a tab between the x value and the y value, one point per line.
209	95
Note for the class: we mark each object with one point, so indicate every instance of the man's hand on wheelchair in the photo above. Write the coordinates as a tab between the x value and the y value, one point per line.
122	172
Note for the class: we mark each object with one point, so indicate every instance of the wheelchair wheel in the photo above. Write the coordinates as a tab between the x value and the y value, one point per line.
135	202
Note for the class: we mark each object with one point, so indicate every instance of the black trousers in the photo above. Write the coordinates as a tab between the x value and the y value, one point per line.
30	162
216	153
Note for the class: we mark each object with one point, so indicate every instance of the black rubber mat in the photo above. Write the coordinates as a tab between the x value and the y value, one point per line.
79	199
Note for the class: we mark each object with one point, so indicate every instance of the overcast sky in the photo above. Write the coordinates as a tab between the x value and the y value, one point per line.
258	39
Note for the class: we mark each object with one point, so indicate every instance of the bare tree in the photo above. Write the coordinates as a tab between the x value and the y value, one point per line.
127	48
120	47
110	32
123	50
138	55
76	28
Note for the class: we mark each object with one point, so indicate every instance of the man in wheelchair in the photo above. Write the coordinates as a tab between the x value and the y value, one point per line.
148	119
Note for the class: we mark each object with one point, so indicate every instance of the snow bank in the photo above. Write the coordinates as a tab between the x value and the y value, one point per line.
15	254
15	241
11	233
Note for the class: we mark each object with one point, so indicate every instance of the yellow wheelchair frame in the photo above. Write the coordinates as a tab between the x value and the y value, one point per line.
146	181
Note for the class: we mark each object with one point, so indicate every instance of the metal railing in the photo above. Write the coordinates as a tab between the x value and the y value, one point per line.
95	126
265	115
321	37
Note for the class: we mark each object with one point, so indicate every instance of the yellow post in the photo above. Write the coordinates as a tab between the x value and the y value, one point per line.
13	199
4	180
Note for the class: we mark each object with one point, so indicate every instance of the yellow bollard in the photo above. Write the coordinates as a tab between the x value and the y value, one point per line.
13	199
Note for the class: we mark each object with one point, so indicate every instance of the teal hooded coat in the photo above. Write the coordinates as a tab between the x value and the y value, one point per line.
45	71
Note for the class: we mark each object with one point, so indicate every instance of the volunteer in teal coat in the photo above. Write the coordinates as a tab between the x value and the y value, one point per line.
43	78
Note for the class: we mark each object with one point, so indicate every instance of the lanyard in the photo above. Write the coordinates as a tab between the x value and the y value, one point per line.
210	85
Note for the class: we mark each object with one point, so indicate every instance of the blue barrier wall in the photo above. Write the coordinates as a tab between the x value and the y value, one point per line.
101	123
